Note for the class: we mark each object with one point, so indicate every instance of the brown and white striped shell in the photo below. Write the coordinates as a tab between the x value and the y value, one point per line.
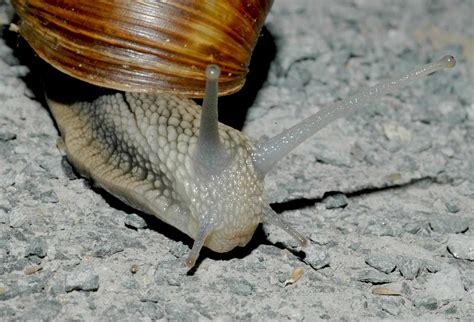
146	45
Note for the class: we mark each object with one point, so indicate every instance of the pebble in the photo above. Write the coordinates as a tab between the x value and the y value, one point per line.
322	238
429	303
382	229
240	287
328	155
338	200
409	267
108	247
7	136
130	283
7	178
4	217
317	257
431	266
43	310
461	246
17	218
135	221
448	224
49	197
151	294
179	249
452	207
412	227
67	169
82	278
37	246
385	264
374	277
179	312
12	291
434	164
445	285
5	206
149	310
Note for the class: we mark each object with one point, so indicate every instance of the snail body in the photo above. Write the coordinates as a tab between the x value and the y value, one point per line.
144	149
165	155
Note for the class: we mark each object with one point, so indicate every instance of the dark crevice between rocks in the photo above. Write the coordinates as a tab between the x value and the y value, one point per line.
302	203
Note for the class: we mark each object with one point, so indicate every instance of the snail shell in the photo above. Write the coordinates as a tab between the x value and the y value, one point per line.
148	45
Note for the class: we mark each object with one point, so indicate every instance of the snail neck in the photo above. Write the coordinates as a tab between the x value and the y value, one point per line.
210	152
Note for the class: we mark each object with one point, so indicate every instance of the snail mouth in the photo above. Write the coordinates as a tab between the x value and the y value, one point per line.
222	243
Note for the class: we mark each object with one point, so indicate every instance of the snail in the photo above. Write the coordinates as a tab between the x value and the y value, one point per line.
159	151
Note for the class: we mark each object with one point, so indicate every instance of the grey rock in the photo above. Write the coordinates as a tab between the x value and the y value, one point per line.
410	267
4	217
451	310
113	313
67	169
58	286
385	264
240	287
448	224
135	221
317	257
374	277
321	238
445	285
431	266
336	201
392	306
179	249
328	156
435	164
150	310
452	207
152	294
429	303
130	283
106	248
412	227
82	278
11	291
45	310
178	312
5	206
461	246
17	218
382	229
7	136
7	313
7	178
405	289
38	247
49	197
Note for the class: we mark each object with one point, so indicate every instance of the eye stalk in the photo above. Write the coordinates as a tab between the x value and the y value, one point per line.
267	154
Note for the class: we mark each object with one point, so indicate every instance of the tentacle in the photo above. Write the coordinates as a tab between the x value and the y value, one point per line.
199	241
210	153
269	216
266	155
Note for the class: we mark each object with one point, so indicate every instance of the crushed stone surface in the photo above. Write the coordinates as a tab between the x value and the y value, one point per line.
385	196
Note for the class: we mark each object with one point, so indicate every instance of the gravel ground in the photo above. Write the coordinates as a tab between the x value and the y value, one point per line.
385	196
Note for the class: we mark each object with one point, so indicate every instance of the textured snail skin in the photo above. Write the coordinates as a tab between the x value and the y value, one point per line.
140	148
167	156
